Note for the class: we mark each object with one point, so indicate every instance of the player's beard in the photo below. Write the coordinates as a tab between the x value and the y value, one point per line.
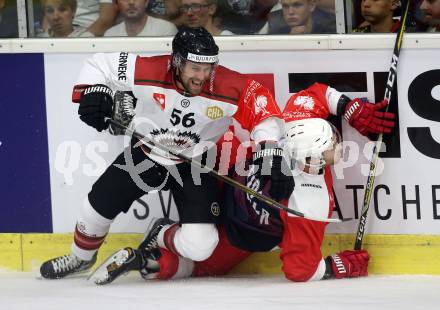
190	85
194	87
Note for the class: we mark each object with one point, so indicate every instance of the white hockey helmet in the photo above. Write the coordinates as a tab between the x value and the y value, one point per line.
308	141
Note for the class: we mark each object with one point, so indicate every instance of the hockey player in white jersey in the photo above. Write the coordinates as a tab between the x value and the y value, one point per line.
185	101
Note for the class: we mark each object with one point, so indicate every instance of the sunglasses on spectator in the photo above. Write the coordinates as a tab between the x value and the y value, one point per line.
194	7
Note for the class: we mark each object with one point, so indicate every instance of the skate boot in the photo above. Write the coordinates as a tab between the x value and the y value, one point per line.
144	259
150	241
119	263
150	249
66	265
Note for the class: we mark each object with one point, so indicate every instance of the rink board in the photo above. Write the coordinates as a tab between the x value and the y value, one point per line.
49	159
390	254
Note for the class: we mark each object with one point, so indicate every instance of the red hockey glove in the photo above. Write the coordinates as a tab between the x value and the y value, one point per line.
349	264
367	118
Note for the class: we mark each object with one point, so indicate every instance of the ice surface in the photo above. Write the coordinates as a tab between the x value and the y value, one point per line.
22	291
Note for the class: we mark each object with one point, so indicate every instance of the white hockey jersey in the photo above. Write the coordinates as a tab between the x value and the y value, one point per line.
189	124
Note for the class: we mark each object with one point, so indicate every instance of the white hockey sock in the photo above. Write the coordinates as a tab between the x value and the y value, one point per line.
90	232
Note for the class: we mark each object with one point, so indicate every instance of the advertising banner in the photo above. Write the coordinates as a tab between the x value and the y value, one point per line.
406	195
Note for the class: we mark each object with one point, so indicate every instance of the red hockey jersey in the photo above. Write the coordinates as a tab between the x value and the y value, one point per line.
317	101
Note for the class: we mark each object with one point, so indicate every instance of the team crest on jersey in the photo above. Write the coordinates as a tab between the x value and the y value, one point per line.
214	112
160	100
261	104
306	102
175	139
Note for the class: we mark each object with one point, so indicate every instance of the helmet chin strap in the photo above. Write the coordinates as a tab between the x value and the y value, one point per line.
313	169
177	64
315	165
177	78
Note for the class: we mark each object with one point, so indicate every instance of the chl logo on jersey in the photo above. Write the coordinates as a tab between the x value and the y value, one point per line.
160	100
306	101
214	112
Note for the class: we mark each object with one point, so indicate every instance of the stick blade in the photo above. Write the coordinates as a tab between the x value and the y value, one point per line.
327	220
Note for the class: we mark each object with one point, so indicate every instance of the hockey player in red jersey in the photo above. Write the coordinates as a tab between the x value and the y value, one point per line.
250	225
185	101
314	144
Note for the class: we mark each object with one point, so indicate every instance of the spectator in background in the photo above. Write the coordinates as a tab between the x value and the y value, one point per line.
245	16
156	8
136	21
172	12
378	16
300	17
59	15
203	13
431	14
96	15
305	17
166	9
8	20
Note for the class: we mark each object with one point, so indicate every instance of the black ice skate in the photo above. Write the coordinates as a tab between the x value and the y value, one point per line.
150	249
117	264
150	241
66	265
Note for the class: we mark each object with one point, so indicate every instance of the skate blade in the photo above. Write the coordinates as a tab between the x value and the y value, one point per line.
77	275
101	275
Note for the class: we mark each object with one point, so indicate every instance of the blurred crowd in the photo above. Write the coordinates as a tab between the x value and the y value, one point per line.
120	18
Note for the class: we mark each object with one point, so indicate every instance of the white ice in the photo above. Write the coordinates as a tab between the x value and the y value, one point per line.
22	291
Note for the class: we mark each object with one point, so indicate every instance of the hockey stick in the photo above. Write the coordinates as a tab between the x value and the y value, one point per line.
270	202
392	74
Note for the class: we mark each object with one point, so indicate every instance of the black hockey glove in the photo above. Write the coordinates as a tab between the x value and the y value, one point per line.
269	164
95	104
